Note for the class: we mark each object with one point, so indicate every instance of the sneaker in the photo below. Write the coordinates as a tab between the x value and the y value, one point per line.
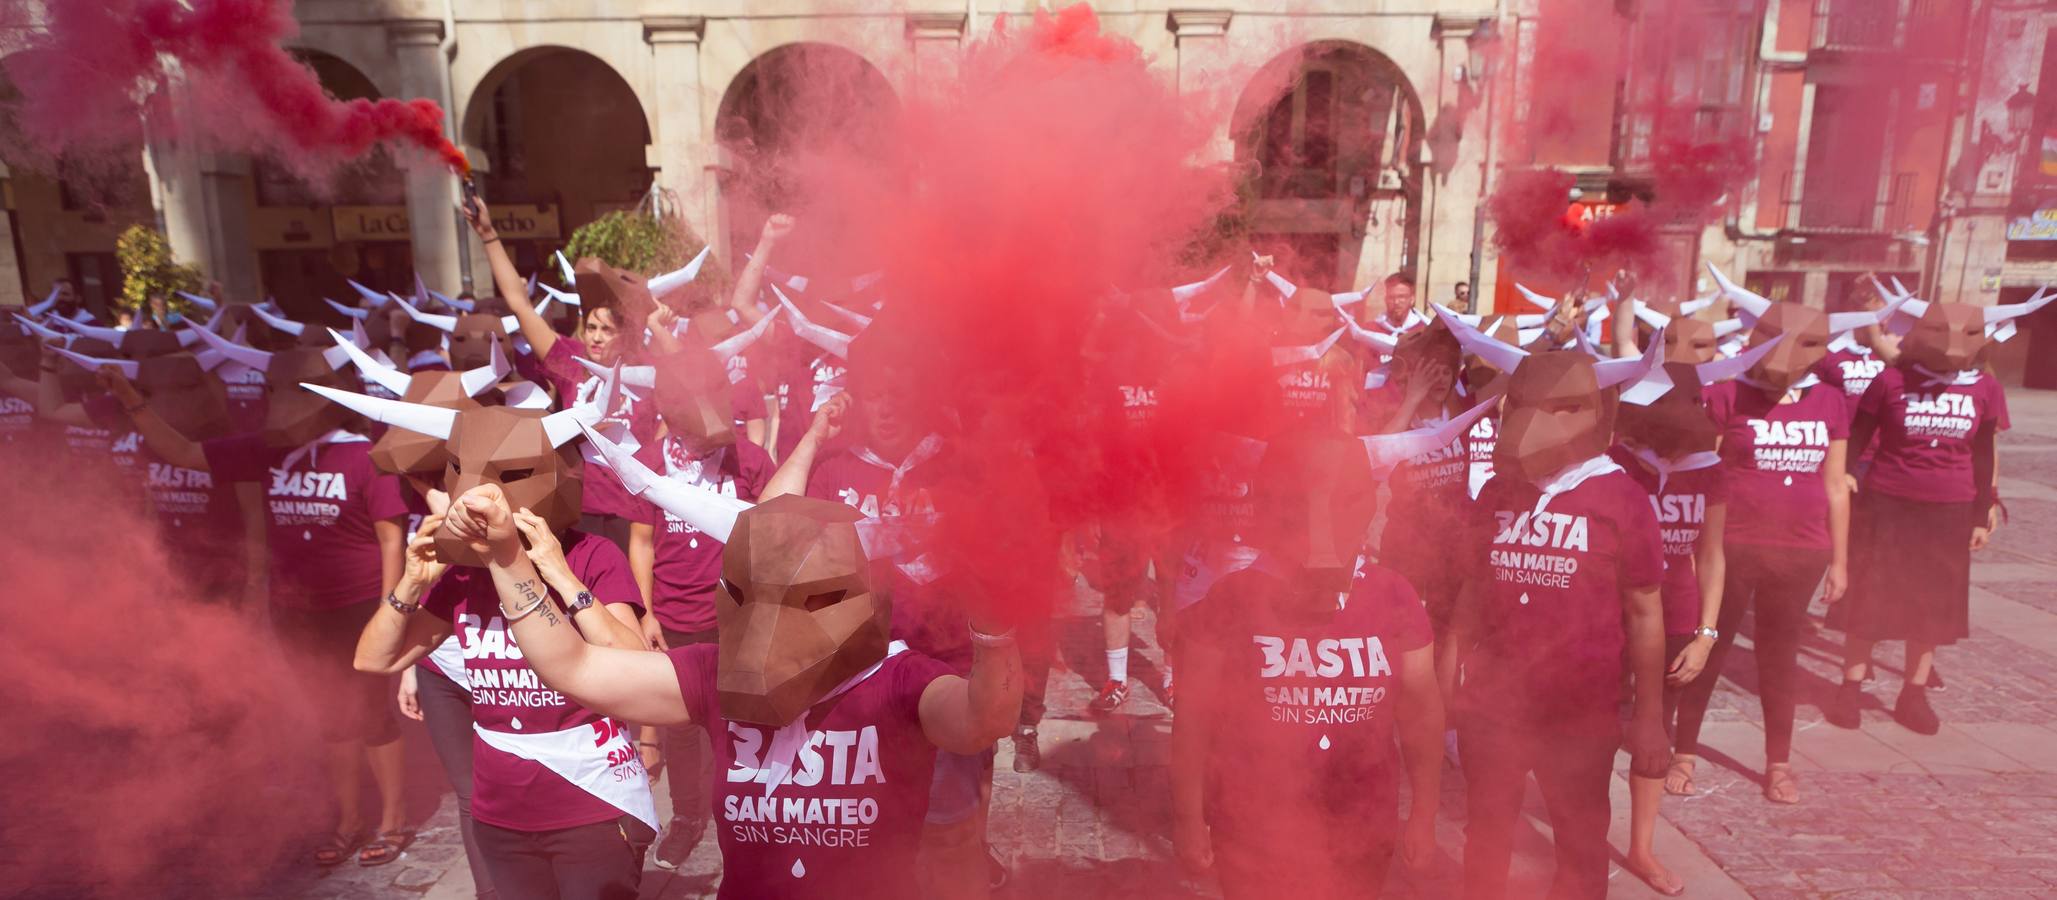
1843	712
1912	710
1110	697
677	843
1935	679
996	871
1028	755
1170	693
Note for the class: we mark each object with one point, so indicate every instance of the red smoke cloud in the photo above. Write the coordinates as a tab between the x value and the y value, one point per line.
149	739
213	72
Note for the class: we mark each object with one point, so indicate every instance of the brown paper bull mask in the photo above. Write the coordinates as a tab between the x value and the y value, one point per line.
1315	498
185	395
148	343
1555	415
1947	337
692	397
1310	314
293	416
527	452
1806	332
796	610
474	339
1675	425
600	284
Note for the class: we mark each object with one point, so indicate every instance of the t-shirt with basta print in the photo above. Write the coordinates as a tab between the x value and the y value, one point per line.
846	823
319	516
1429	496
1775	456
1308	692
921	616
687	561
1924	433
1681	509
1551	637
507	696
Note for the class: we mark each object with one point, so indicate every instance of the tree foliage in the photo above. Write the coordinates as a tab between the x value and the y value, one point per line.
148	270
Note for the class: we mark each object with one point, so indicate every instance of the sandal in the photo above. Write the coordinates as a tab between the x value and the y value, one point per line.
1679	781
339	847
1676	888
1779	784
386	849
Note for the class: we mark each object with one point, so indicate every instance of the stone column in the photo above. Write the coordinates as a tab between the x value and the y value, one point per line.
1450	218
680	154
13	291
204	200
432	192
1203	61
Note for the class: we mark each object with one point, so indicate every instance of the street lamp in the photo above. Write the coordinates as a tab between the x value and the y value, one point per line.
2021	111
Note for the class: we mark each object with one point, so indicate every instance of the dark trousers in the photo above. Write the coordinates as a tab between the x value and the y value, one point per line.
1258	876
602	861
688	758
446	710
1777	582
1571	767
1038	650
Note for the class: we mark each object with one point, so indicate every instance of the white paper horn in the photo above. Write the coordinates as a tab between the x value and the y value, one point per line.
1752	304
375	298
379	373
434	320
279	323
1185	293
1643	378
1725	369
729	347
564	269
110	335
247	356
2009	311
206	303
1390	450
476	381
632	376
420	418
1287	356
671	281
821	336
128	368
1497	353
351	311
697	506
49	303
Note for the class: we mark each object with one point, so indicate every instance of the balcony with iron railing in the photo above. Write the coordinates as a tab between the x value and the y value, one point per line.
1829	210
1876	26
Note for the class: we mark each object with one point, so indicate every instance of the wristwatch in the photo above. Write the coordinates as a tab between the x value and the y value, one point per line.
580	602
1706	632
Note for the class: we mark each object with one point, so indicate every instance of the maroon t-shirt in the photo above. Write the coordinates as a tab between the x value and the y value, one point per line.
245	388
1681	509
1429	495
1774	454
921	616
687	561
1307	390
506	696
1852	370
1924	434
847	822
807	377
324	552
1550	648
17	422
1309	696
1478	450
602	493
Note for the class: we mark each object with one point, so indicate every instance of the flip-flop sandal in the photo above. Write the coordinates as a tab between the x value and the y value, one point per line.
1677	890
339	848
1685	767
387	848
1776	778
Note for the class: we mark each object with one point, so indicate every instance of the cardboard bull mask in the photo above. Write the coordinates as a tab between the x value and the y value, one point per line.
692	397
599	284
1806	336
527	452
1555	415
475	339
1315	498
1310	314
401	451
185	395
1675	425
795	606
1947	337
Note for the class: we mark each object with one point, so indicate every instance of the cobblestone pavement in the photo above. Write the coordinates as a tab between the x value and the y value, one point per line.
1886	813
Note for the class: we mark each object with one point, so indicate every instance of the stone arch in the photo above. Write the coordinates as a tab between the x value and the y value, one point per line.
1329	134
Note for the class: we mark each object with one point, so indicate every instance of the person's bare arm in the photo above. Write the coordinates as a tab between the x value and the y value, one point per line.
643	566
49	399
966	715
754	430
1625	344
250	500
513	289
1985	479
635	685
1192	738
603	624
792	474
744	298
397	638
392	538
1838	520
1643	618
1420	727
1464	628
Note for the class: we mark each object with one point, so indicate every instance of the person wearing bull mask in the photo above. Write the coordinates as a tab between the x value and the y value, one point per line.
827	728
1784	438
1276	796
330	534
1565	590
1929	499
678	565
613	307
560	798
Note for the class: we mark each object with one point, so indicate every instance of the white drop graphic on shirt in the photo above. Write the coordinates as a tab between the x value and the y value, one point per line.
1789	481
1934	442
1324	742
516	723
799	869
692	543
307	535
1524	599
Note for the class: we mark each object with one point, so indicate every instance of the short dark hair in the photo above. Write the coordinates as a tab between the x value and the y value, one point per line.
1399	278
1464	284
